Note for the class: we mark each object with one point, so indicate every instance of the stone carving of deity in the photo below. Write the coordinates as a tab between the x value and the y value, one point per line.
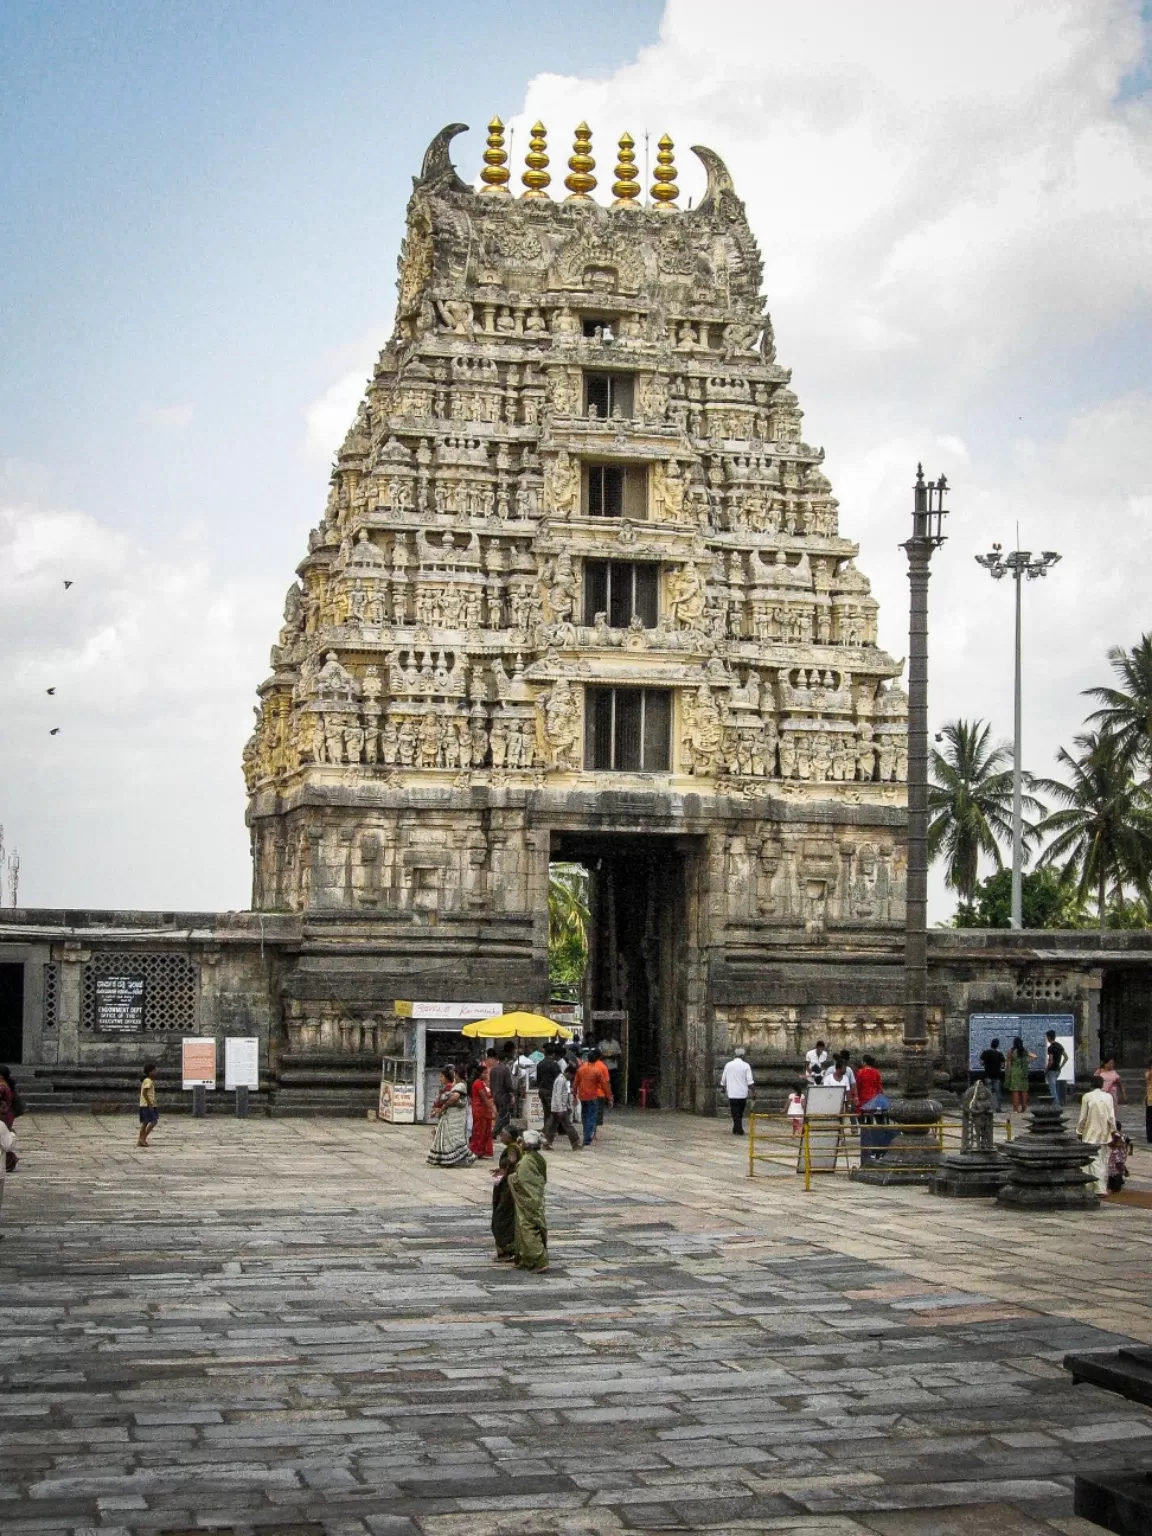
562	724
561	483
686	595
704	734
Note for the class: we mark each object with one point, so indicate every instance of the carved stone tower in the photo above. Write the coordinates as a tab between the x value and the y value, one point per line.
580	590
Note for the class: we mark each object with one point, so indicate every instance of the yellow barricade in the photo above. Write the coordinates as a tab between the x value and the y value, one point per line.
829	1144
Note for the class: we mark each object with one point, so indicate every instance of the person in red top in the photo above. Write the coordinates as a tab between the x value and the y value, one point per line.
868	1082
590	1085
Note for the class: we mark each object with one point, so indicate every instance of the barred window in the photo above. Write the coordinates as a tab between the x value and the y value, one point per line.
623	589
613	490
608	394
628	730
51	995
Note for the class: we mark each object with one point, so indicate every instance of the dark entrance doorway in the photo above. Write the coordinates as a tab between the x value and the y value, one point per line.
11	1014
1126	1015
641	949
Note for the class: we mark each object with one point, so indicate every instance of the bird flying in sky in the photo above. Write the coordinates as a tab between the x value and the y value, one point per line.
67	584
50	690
55	731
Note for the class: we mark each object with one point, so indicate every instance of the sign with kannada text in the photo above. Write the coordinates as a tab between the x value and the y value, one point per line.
397	1102
198	1063
119	1005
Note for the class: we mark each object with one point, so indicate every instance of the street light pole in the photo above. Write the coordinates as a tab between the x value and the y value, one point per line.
927	521
1018	564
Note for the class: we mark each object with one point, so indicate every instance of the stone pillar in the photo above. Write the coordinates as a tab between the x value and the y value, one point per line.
1048	1167
71	1004
977	1169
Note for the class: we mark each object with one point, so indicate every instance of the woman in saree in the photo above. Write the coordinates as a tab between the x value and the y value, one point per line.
503	1205
483	1113
527	1181
450	1143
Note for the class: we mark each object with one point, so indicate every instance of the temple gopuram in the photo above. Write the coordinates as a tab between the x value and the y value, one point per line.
580	592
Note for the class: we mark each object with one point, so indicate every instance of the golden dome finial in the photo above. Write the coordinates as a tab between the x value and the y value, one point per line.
665	191
536	177
626	189
579	182
495	173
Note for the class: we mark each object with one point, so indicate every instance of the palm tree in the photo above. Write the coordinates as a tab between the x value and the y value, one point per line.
1126	712
1103	834
970	803
568	919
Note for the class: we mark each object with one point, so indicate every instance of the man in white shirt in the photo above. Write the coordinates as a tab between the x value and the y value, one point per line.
560	1115
1097	1124
736	1081
815	1062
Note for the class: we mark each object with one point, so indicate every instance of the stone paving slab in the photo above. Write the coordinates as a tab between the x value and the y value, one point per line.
295	1327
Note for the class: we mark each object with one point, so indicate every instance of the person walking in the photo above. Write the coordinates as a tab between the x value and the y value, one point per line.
10	1108
1054	1058
527	1181
560	1111
992	1064
480	1142
501	1087
547	1071
869	1083
737	1082
450	1147
7	1150
1148	1102
1016	1077
590	1085
503	1205
149	1114
1113	1082
1097	1124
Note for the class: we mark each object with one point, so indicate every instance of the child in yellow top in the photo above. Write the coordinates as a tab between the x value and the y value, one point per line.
149	1114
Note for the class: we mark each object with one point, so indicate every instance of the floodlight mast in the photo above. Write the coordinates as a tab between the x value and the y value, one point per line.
1018	563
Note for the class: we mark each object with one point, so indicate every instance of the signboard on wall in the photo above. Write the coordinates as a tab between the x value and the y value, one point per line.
1032	1028
198	1063
119	1005
466	1013
241	1062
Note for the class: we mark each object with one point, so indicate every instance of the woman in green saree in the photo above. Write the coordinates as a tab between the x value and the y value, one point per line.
527	1181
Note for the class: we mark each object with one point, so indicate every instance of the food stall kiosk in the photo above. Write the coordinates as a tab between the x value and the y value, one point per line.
432	1040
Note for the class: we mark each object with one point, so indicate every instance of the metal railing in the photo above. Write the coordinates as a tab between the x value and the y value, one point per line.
831	1144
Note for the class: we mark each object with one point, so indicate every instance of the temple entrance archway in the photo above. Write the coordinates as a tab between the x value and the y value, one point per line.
643	951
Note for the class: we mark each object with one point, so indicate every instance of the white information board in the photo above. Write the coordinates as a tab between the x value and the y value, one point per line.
825	1138
241	1062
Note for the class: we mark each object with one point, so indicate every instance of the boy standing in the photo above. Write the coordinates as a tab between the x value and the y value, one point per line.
149	1114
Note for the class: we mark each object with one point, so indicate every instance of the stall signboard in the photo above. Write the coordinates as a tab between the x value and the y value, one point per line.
1032	1028
119	1005
242	1062
198	1063
463	1013
397	1102
825	1138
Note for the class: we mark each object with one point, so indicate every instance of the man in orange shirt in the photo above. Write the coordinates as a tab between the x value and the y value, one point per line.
591	1084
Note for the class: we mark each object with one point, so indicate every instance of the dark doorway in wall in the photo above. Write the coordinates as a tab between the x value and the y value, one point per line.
1126	1015
11	1014
641	950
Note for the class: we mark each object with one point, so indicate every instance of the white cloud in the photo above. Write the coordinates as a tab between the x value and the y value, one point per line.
328	417
167	418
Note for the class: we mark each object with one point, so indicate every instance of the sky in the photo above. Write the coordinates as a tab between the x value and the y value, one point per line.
201	207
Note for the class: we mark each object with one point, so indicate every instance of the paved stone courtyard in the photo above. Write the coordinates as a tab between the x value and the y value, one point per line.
296	1327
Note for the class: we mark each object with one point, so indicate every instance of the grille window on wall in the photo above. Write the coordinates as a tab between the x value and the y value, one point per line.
608	394
612	490
622	589
628	730
51	995
170	987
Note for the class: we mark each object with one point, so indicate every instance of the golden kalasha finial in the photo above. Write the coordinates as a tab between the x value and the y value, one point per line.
536	177
495	172
626	189
579	182
665	191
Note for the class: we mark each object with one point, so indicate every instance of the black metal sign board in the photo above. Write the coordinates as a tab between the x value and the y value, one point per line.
120	1004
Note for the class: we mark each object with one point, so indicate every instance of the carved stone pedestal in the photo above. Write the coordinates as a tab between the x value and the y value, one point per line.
1047	1167
977	1170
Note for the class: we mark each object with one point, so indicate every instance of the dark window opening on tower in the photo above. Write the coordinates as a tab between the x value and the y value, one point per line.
608	394
623	589
628	730
615	491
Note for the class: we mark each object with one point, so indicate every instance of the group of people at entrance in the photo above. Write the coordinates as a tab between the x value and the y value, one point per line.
473	1108
1011	1072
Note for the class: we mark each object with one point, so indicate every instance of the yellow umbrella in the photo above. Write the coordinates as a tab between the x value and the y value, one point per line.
524	1026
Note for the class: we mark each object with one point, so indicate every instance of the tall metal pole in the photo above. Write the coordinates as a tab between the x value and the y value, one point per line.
1019	564
1017	918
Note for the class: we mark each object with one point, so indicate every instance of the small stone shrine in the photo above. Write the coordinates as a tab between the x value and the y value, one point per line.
1048	1167
977	1169
580	590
